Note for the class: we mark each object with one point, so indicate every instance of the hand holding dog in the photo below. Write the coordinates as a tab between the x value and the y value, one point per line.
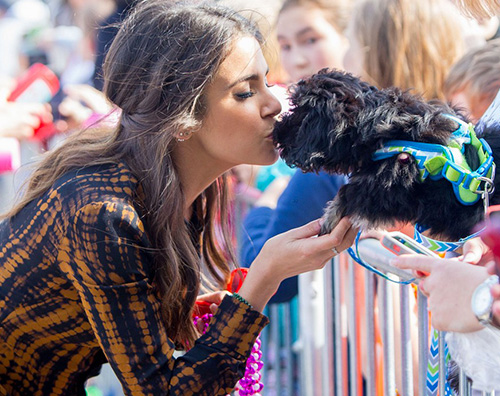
291	253
448	287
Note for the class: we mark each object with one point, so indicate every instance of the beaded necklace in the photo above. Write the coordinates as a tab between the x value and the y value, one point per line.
250	384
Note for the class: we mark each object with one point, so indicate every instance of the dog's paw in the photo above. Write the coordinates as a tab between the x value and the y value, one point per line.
330	218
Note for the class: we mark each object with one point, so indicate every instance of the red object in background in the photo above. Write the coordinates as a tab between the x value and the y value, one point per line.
235	281
38	84
491	234
201	308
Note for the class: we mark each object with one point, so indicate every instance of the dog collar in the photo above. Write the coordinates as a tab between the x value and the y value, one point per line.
437	161
440	246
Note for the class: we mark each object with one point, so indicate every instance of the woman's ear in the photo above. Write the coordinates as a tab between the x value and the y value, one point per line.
182	135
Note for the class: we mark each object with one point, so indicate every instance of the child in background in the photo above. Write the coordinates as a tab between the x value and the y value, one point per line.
311	35
474	80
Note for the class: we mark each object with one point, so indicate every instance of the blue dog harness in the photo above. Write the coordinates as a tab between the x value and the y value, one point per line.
437	161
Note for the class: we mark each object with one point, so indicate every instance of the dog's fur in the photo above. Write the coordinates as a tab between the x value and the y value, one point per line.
338	121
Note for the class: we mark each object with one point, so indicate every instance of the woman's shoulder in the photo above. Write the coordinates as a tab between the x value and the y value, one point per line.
95	183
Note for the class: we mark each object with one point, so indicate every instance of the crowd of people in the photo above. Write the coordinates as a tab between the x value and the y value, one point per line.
121	218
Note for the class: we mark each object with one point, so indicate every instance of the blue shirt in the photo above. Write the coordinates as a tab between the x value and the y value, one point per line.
303	200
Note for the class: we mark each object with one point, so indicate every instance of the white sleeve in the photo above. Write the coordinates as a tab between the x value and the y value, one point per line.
478	354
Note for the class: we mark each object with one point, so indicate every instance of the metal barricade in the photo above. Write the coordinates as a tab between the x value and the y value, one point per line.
391	356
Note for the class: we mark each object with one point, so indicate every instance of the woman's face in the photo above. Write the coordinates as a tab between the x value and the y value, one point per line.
308	42
237	128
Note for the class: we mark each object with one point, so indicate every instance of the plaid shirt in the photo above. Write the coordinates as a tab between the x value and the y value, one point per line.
75	292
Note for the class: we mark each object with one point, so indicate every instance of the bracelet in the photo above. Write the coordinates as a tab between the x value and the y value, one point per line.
239	298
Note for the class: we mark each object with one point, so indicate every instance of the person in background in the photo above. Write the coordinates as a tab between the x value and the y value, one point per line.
377	31
310	37
114	239
474	80
105	35
19	120
461	300
404	43
458	292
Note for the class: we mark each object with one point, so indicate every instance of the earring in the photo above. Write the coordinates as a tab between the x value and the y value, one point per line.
183	136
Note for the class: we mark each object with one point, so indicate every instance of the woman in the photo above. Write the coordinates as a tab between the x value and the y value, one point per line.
103	258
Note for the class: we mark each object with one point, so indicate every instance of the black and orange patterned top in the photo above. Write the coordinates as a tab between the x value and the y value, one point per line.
75	292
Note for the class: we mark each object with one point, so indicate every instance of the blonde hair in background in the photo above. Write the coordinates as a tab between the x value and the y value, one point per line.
477	74
336	12
479	8
407	43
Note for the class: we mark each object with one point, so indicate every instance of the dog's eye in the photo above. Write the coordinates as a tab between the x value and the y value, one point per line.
404	158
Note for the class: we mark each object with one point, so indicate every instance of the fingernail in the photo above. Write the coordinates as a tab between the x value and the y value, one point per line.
321	221
469	257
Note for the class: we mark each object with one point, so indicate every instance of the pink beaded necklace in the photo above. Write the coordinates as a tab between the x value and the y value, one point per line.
250	384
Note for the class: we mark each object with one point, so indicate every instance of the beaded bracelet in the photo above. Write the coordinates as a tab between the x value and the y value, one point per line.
239	298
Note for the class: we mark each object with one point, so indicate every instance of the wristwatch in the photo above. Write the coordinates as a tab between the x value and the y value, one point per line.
482	301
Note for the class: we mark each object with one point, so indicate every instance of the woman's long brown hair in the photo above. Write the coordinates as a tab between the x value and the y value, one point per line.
156	72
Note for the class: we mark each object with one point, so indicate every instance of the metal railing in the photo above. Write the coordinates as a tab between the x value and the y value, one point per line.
353	338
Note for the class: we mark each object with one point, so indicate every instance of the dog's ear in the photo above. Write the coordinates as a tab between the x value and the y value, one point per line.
319	132
402	115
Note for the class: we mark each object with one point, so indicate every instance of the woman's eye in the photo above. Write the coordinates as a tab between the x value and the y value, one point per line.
311	40
285	47
245	95
267	84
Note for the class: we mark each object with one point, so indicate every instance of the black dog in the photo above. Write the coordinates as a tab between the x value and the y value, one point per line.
338	122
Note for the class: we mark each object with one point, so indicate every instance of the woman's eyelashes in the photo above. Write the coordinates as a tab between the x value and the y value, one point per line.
252	89
245	95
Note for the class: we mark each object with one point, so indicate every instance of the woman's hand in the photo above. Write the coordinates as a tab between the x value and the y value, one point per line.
475	251
448	287
214	299
292	253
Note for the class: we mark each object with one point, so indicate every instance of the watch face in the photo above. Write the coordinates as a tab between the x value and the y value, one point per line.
481	303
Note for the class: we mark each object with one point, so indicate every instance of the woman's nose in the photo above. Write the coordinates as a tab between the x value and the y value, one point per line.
273	105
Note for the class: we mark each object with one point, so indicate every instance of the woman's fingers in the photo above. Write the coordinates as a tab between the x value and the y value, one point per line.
214	298
306	231
349	238
339	233
415	262
341	237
